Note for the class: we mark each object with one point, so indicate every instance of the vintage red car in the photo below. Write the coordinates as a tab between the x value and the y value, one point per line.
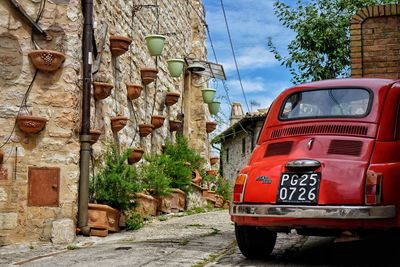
327	161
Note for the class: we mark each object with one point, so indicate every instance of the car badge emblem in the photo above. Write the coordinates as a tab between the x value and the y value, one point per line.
264	179
310	143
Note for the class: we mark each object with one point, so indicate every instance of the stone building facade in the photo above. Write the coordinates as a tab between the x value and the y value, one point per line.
51	157
374	42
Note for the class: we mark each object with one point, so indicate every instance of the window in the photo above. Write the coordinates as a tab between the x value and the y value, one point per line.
227	155
339	102
243	146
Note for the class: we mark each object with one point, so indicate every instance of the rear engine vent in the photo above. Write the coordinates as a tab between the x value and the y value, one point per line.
345	147
282	148
321	129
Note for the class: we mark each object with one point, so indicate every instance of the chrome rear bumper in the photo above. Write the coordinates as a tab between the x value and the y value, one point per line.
317	212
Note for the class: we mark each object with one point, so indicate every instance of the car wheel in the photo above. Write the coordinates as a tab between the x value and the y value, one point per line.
255	242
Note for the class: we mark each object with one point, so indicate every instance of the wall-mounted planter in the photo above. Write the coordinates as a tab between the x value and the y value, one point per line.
157	121
47	60
210	126
145	129
155	44
119	45
212	172
101	90
214	107
30	124
171	98
174	125
1	156
133	90
103	217
148	75
214	160
208	95
196	177
175	66
94	134
136	155
219	201
118	123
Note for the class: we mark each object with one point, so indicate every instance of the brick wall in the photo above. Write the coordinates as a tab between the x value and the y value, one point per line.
375	42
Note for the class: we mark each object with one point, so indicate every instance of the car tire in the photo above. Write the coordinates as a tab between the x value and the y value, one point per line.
255	242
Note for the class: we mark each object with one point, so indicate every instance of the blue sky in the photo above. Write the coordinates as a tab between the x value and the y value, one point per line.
251	22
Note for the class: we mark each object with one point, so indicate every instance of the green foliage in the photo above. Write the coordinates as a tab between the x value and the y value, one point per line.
116	181
134	222
155	174
321	47
224	188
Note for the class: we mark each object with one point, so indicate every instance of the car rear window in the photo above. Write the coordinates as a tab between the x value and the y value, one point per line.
322	103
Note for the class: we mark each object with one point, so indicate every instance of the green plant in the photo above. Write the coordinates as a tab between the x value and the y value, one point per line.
155	177
134	222
116	182
224	188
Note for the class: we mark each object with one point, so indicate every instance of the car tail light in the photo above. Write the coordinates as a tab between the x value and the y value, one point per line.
238	190
373	188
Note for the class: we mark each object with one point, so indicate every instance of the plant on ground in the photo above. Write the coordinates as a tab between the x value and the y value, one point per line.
224	188
155	178
116	182
134	222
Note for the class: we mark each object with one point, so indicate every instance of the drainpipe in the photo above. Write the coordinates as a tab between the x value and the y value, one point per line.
87	6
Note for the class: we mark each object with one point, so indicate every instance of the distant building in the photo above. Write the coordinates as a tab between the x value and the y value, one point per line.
238	141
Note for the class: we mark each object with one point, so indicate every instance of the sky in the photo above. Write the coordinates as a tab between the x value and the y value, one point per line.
251	22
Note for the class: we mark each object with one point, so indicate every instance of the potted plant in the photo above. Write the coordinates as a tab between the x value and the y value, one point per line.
214	160
175	66
145	129
95	134
147	205
174	125
119	45
118	123
157	121
133	91
155	44
210	126
214	107
148	75
135	155
30	124
47	60
101	90
171	98
208	95
212	172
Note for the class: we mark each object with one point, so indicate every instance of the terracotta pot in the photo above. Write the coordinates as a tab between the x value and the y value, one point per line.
134	91
157	121
214	160
95	134
226	204
171	98
118	123
103	217
210	195
135	155
212	172
174	125
148	75
1	156
101	90
46	60
173	203
30	124
196	177
146	204
145	129
219	201
210	126
119	45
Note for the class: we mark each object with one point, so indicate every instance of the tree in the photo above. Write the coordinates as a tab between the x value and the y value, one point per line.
321	47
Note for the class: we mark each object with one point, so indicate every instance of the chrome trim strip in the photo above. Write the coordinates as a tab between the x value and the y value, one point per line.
303	163
317	212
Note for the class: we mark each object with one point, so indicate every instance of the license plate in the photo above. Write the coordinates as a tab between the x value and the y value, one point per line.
299	188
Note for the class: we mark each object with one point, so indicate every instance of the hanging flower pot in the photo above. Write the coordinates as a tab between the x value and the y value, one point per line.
214	160
174	125
118	123
133	90
145	129
208	95
135	155
1	156
214	107
171	98
175	66
212	172
157	121
155	44
210	126
46	60
119	45
95	134
101	90
148	75
30	124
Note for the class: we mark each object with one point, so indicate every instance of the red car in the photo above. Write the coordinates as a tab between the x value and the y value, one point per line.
327	161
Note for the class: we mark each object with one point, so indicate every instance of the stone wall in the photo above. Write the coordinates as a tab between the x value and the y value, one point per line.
374	42
56	96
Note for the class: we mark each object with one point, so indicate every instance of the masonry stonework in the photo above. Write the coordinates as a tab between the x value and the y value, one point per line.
57	97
